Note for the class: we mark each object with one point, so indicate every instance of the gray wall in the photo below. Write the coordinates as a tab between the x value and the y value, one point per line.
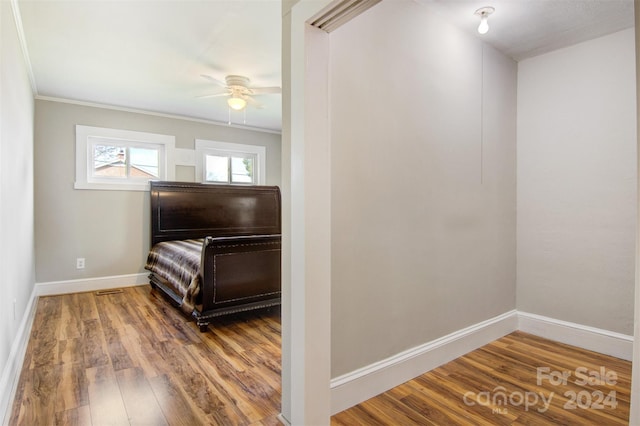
17	277
577	203
423	183
110	229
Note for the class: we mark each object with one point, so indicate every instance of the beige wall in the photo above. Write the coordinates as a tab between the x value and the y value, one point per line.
17	277
423	183
110	229
577	203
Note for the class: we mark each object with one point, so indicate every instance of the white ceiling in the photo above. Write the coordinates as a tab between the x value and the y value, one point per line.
150	54
526	28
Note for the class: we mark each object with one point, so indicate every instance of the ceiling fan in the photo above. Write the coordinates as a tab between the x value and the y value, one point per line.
239	91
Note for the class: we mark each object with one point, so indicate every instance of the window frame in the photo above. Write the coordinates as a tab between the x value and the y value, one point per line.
87	137
228	149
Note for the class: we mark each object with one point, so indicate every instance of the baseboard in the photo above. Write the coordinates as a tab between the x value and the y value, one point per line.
11	372
591	338
282	419
90	284
352	388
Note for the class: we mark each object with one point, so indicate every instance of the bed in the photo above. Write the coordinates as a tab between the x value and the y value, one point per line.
215	249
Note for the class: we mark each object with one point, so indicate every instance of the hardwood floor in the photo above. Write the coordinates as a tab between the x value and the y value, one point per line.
519	379
131	358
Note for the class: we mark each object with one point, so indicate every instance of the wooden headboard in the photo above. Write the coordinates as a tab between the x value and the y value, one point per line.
181	210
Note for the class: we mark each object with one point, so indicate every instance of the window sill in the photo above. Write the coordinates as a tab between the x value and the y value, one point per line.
112	186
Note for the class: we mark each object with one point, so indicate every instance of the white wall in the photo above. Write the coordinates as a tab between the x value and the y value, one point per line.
423	183
577	201
110	229
634	414
16	196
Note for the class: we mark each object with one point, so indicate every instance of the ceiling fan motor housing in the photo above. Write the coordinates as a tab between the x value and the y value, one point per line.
237	82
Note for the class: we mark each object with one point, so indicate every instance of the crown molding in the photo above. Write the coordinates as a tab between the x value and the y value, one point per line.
17	18
153	113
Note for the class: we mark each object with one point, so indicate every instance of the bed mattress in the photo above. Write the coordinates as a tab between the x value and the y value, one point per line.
179	263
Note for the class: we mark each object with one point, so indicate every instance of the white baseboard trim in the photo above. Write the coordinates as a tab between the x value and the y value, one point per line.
591	338
11	372
90	284
359	385
282	419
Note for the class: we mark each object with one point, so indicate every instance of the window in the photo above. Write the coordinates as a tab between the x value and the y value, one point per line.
121	159
229	163
221	167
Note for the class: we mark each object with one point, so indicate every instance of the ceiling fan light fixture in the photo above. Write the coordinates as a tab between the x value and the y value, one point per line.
236	103
484	13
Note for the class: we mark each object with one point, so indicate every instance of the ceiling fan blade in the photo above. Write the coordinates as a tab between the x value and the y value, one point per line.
265	90
253	102
213	95
213	80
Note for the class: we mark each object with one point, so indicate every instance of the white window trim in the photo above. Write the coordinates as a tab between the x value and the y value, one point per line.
204	147
83	157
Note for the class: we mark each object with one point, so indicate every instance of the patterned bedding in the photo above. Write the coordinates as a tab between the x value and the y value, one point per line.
179	263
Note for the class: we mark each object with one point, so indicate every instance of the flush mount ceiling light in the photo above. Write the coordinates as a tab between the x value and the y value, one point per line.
484	13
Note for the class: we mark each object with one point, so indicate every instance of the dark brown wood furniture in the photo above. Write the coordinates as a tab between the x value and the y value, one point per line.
240	260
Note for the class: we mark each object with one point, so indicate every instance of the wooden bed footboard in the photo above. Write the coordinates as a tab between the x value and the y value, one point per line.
241	254
240	273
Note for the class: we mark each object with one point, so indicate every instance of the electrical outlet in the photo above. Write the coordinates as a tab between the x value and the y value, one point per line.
80	263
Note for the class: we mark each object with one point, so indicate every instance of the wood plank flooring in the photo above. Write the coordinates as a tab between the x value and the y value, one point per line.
132	359
519	379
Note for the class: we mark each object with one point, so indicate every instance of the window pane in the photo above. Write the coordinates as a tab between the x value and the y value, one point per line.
217	168
144	162
109	160
241	170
